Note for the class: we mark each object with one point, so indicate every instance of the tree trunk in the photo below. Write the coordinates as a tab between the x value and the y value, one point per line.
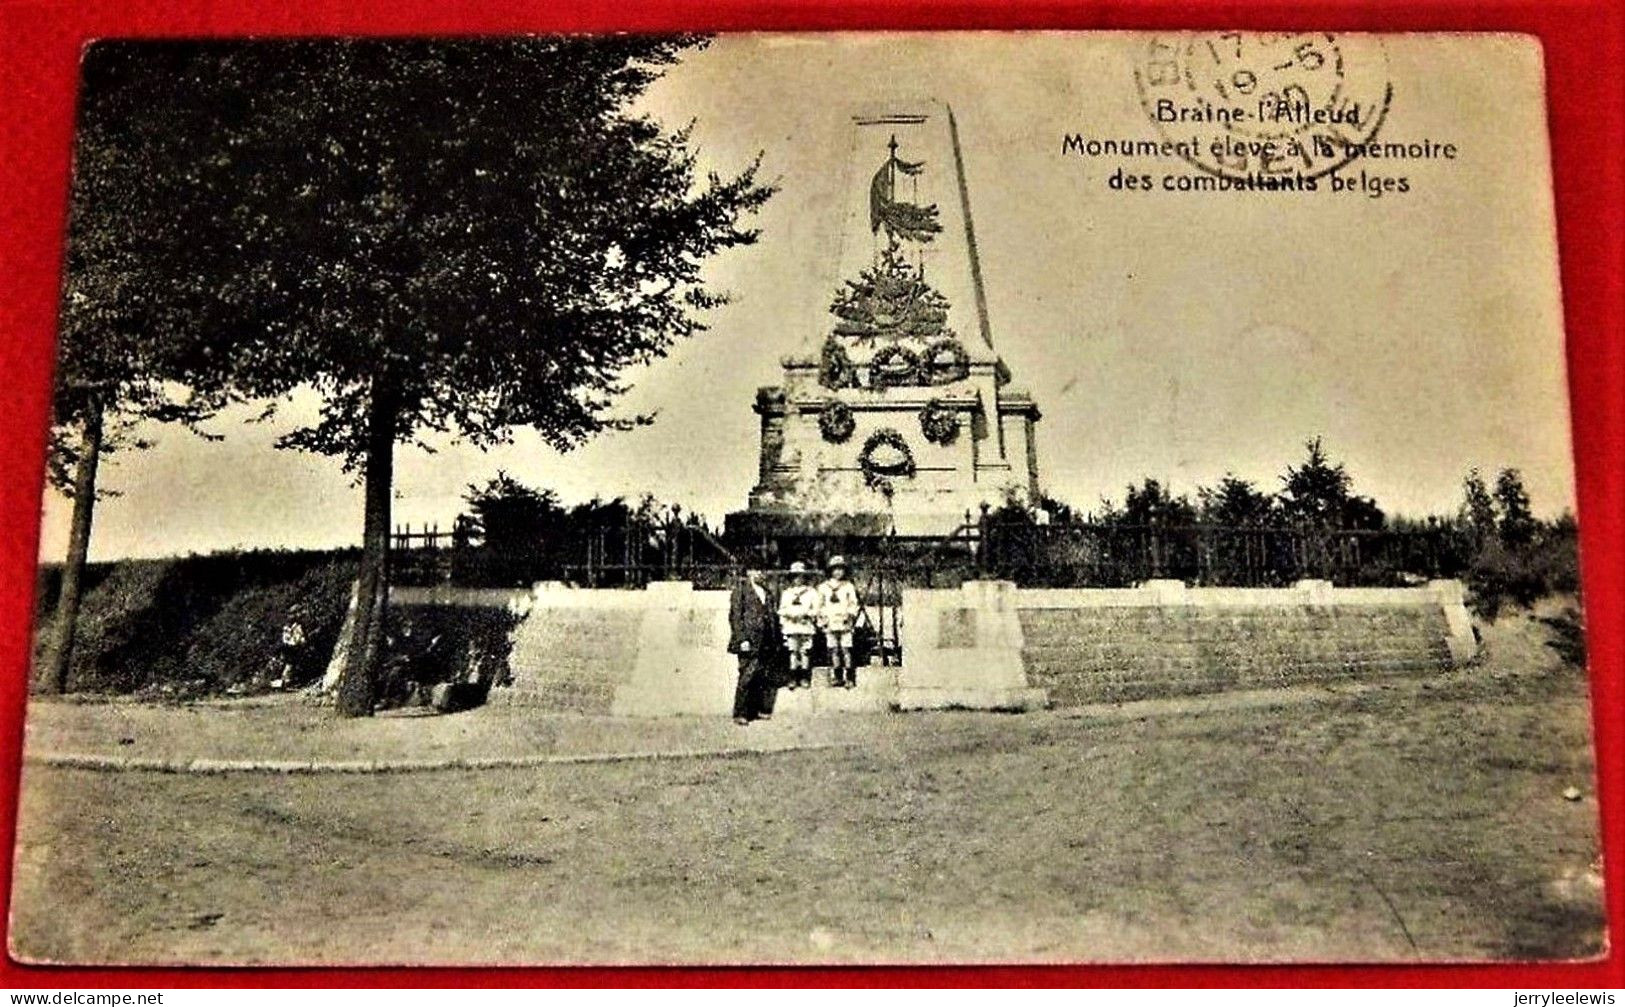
73	567
359	682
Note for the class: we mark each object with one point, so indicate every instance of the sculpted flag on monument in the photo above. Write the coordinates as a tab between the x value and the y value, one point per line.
900	219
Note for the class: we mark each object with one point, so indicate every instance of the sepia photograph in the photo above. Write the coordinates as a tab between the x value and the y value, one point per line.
810	498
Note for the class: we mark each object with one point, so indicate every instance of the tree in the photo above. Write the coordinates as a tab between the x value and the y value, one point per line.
1362	514
1059	511
1316	491
1478	509
1235	502
1150	503
120	354
1518	524
1319	493
508	515
437	236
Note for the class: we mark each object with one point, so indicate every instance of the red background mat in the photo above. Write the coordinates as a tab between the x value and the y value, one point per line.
1585	65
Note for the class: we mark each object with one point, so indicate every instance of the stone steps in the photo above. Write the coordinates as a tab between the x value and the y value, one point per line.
876	692
549	664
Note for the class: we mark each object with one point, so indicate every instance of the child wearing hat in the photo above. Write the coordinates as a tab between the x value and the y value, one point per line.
838	612
798	621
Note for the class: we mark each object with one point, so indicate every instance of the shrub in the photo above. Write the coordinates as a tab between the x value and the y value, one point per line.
1498	576
1566	636
1503	573
121	632
239	645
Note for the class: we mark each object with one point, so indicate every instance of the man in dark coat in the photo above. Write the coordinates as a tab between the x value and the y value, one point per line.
753	634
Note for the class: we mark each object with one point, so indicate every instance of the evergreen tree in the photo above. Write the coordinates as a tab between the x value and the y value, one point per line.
510	516
1152	503
1235	502
1317	491
1361	513
1518	524
1478	509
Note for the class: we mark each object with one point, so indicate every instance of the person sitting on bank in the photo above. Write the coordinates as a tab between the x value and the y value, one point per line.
838	614
753	636
798	621
291	652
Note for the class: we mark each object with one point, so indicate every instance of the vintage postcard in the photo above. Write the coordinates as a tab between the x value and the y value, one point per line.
810	498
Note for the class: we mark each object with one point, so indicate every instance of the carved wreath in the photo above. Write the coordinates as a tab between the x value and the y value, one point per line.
946	361
885	456
836	422
894	365
938	423
835	369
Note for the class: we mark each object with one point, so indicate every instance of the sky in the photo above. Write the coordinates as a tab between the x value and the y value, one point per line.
1165	335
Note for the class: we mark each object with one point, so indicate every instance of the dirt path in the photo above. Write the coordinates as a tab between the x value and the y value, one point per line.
287	730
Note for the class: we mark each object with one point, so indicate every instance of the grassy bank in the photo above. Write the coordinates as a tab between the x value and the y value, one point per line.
200	625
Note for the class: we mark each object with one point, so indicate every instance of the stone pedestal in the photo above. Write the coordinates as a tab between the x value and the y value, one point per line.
682	664
963	650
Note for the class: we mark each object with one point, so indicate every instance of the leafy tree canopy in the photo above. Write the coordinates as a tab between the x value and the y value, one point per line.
122	341
1518	524
460	236
1478	507
485	230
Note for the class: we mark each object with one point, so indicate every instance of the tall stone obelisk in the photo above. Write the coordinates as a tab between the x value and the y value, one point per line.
895	413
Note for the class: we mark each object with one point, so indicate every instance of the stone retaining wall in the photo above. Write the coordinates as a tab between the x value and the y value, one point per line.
658	651
1164	639
986	645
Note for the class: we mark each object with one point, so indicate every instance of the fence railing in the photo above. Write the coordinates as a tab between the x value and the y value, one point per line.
623	554
1069	554
430	536
1080	554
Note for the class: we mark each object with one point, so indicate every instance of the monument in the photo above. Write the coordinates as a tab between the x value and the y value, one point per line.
895	414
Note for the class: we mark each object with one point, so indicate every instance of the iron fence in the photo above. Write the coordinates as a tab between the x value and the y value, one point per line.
624	554
1072	554
635	552
1077	554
